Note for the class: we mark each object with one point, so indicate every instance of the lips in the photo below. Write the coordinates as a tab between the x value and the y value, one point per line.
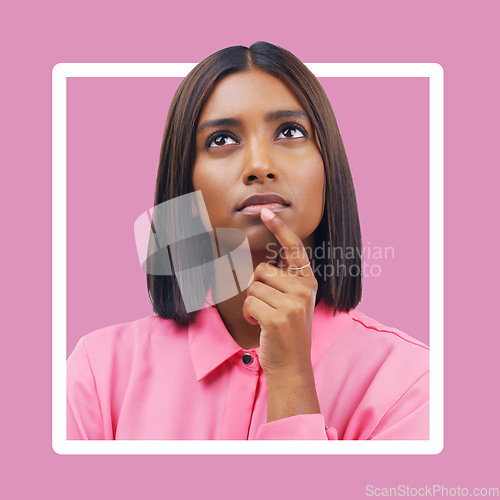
255	203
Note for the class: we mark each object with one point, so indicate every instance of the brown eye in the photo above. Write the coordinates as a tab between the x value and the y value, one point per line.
220	140
291	132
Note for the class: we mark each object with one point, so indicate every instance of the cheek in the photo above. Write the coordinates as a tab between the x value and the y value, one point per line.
197	178
204	182
311	192
212	190
208	178
316	185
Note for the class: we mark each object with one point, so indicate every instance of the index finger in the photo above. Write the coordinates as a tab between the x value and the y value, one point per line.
295	253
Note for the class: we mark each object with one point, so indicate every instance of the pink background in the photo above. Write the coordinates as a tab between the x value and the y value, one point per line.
114	132
37	35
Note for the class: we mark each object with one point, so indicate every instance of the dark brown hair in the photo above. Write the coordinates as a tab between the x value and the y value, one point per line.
339	230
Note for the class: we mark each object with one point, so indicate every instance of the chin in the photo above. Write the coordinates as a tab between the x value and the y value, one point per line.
261	240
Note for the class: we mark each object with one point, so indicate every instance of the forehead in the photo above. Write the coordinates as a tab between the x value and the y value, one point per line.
253	91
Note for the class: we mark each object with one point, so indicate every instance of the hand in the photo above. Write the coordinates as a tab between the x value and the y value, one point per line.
281	300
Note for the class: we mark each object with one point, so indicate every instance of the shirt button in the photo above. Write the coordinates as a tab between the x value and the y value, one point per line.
247	359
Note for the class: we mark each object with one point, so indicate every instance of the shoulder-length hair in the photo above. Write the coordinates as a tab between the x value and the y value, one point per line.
338	265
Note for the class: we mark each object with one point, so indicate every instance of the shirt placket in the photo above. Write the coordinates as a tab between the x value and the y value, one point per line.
241	395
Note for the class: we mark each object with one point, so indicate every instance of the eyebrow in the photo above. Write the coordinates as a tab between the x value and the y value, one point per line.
272	116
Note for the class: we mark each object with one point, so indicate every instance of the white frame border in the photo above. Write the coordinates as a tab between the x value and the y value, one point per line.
433	446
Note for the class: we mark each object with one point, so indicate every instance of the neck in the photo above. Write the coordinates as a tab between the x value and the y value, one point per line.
246	335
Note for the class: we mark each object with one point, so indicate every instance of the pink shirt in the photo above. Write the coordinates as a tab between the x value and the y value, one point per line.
152	379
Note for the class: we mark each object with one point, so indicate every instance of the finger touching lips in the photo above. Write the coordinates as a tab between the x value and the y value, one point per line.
295	252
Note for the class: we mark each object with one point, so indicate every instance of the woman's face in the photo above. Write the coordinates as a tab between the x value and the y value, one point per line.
255	147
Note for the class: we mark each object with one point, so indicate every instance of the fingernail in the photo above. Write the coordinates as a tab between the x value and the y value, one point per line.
266	214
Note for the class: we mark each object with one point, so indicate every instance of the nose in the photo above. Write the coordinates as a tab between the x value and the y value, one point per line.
260	165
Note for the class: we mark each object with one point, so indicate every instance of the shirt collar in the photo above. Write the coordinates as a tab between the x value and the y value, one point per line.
211	344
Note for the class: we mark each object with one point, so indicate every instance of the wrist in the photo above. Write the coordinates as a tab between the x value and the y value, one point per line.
290	377
290	384
291	395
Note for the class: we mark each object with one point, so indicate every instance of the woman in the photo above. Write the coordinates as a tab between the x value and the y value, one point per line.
287	356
